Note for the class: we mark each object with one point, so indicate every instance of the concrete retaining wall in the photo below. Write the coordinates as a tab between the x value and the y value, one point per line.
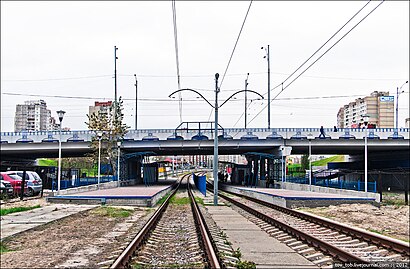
305	187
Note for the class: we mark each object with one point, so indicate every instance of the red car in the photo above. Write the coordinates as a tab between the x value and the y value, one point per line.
15	182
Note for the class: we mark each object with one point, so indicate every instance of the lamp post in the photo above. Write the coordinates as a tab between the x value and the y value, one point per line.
118	163
268	59
397	103
60	114
215	107
136	100
310	137
99	136
246	99
365	121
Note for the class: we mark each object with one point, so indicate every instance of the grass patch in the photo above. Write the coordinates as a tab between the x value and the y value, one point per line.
323	162
245	265
394	202
163	198
3	248
199	200
46	162
113	212
6	211
180	201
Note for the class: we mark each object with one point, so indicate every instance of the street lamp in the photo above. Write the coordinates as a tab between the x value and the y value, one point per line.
99	136
136	100
268	59
215	107
365	121
60	114
118	163
397	104
310	137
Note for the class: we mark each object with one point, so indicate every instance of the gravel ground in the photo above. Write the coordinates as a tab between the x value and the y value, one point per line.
81	240
389	220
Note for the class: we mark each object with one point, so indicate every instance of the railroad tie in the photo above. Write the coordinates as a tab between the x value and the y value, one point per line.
324	260
314	256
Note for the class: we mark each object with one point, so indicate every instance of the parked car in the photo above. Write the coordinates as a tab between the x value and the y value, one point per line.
34	182
15	182
6	188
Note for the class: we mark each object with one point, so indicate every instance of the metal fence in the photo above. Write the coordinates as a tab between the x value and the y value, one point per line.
78	182
357	185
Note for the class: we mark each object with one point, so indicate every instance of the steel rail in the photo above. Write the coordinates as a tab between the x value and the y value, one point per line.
392	244
123	260
333	251
207	242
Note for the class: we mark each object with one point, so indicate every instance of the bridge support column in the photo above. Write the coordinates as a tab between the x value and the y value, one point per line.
255	172
262	169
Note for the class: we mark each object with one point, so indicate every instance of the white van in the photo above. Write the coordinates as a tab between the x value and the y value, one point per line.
34	182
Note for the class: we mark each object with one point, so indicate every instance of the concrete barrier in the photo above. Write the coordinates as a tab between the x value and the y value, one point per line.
261	196
305	187
93	187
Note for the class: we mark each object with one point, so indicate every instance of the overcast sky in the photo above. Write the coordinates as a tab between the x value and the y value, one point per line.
55	50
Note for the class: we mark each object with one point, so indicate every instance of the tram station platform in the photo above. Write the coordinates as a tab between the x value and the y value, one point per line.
140	195
296	198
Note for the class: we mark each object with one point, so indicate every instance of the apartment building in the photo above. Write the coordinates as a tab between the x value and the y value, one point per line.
379	106
104	107
33	115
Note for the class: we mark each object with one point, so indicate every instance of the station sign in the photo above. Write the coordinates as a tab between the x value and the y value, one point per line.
386	98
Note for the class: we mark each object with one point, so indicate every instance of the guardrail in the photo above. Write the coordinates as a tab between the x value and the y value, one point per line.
227	133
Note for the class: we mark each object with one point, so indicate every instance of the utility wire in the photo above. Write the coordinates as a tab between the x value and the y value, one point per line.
174	15
195	76
233	51
236	43
51	79
281	84
171	100
324	44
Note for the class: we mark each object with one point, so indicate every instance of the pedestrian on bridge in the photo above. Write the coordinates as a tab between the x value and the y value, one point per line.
322	132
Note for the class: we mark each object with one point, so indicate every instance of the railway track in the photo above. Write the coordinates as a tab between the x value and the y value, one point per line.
176	236
321	241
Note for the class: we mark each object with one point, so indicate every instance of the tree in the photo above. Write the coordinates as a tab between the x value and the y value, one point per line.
113	129
304	162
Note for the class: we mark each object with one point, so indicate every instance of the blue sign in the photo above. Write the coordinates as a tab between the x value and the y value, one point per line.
386	98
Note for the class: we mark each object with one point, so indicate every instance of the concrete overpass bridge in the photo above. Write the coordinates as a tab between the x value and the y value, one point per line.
197	141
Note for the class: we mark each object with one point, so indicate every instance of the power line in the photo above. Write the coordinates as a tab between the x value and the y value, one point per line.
196	76
281	84
324	44
236	43
53	79
174	17
171	100
233	51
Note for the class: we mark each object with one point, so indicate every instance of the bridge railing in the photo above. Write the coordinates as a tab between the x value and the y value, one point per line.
235	133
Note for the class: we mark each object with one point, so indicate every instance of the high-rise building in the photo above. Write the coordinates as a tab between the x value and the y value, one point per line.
379	106
104	107
33	115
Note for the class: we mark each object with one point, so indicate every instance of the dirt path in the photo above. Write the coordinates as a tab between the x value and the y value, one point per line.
87	239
